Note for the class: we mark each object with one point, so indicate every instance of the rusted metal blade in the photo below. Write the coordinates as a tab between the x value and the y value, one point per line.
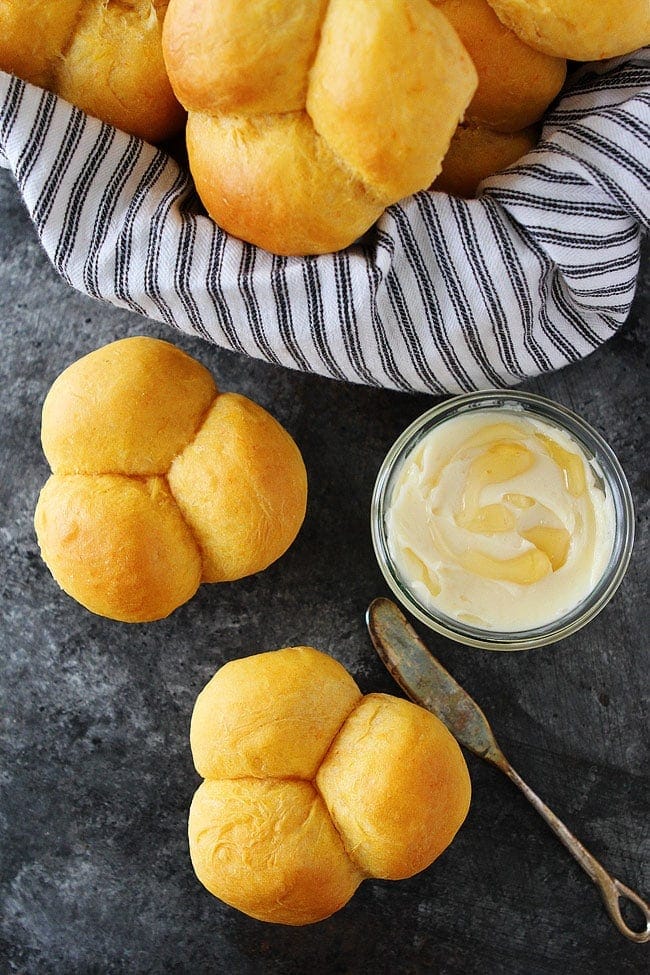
427	682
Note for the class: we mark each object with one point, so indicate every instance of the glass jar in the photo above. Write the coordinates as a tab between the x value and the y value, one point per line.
608	476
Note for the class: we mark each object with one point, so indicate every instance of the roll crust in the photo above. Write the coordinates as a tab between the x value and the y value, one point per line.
118	545
310	787
580	30
477	152
89	423
289	720
396	786
243	58
516	83
416	78
272	179
270	849
106	58
307	119
160	481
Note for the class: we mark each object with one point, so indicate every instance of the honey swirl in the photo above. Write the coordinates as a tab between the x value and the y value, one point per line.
490	504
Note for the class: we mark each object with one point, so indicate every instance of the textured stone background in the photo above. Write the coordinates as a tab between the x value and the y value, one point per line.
96	774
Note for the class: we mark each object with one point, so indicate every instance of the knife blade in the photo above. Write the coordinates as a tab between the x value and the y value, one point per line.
426	681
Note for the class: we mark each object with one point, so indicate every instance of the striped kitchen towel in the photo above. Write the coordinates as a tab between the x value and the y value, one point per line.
442	295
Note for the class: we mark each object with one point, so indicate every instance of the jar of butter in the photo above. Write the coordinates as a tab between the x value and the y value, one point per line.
502	520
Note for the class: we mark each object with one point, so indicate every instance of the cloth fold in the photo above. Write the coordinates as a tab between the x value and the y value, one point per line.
442	295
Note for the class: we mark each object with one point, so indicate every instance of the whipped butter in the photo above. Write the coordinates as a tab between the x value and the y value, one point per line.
497	519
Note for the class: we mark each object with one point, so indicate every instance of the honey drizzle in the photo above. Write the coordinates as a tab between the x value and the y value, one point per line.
503	459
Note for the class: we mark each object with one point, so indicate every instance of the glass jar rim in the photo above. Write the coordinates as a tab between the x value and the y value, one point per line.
595	448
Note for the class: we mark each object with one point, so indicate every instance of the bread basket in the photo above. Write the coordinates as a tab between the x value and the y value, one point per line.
443	295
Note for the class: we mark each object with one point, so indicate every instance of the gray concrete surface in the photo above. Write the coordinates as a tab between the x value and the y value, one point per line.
96	774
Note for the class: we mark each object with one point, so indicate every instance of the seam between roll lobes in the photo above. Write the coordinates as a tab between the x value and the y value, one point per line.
341	835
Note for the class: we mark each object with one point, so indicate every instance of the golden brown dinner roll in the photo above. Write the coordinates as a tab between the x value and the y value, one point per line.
117	544
289	720
393	128
89	422
160	481
241	486
307	119
310	787
516	83
269	848
477	152
277	181
396	785
250	58
34	35
582	30
106	58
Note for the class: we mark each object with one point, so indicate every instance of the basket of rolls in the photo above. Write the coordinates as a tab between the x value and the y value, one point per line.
424	195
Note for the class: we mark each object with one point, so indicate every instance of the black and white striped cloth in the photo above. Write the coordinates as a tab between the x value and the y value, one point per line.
442	295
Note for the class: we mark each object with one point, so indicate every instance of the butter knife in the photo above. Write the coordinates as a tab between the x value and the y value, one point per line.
427	683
